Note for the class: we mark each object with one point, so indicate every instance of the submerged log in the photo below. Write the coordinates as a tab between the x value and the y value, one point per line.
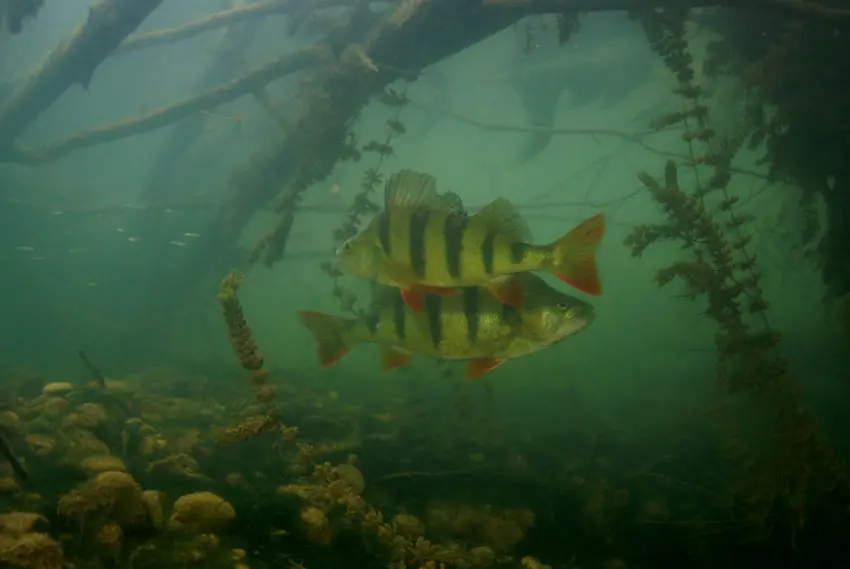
108	24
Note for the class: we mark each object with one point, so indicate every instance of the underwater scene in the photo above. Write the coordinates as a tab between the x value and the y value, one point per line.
424	284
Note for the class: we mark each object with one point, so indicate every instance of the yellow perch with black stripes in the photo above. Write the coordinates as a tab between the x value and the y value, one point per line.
470	325
423	242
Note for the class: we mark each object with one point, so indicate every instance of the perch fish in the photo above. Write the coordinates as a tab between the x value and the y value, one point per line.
470	325
423	242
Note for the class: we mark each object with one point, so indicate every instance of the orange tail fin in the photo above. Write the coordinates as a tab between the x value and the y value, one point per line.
328	331
574	255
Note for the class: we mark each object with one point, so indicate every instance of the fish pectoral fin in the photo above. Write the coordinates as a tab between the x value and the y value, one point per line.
507	290
480	366
392	358
400	274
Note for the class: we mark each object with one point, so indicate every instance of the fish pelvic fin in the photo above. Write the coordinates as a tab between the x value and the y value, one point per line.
507	290
573	258
480	366
329	333
392	358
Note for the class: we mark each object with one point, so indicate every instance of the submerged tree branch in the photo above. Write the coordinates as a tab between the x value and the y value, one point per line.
212	22
794	8
250	83
75	61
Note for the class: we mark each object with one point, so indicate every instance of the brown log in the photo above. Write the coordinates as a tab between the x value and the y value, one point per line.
249	83
108	24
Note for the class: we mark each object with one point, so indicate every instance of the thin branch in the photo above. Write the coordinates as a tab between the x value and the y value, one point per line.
634	137
249	83
214	21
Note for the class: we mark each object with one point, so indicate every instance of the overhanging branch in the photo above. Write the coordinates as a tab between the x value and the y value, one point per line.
249	83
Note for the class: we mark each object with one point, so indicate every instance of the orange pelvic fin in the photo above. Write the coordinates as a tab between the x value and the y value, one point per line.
392	358
574	255
507	290
479	367
414	296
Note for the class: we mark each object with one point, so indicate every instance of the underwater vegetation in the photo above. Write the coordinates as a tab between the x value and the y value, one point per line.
266	467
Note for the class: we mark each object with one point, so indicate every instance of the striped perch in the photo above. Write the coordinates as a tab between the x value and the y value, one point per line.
423	242
470	325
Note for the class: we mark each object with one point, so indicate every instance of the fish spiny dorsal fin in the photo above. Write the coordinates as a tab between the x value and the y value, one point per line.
452	203
408	189
501	215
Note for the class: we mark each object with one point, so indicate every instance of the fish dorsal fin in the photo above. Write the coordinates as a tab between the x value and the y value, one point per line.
452	202
501	215
408	189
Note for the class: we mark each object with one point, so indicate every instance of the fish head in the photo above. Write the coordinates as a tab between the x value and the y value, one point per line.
360	257
554	316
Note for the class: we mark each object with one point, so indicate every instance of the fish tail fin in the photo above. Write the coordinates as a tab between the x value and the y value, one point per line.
573	257
329	332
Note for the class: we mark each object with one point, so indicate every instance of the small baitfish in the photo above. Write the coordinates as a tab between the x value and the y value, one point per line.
470	325
423	242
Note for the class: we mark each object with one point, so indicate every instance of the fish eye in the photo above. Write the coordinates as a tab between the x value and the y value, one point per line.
566	309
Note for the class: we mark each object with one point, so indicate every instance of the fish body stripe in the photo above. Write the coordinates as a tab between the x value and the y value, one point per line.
434	309
518	251
399	315
453	229
384	233
418	226
488	251
471	310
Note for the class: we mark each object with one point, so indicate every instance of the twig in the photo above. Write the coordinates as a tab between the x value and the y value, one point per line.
634	137
416	474
251	82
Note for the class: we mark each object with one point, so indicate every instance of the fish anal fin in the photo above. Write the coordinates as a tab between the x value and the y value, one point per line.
392	358
480	366
574	255
502	216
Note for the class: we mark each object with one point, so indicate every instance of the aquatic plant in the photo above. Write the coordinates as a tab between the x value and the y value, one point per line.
786	459
242	339
362	203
